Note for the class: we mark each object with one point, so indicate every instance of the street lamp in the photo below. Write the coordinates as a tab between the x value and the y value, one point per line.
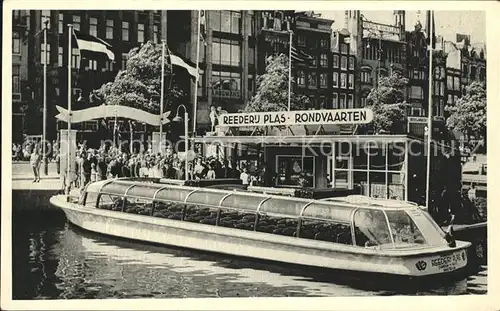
44	136
178	119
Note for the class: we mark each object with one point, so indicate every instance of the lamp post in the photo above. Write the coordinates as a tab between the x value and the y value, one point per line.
44	122
178	118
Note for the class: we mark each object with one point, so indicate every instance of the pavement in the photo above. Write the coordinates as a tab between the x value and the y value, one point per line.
22	177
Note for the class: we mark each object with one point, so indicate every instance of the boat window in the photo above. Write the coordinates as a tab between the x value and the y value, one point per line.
138	206
91	199
206	197
144	191
371	228
170	210
237	219
241	201
277	225
110	202
201	214
116	188
283	206
325	231
404	230
176	194
327	211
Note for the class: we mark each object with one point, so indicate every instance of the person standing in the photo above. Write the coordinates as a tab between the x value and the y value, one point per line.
35	165
245	178
472	193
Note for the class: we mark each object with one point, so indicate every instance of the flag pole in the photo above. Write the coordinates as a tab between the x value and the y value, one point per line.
163	42
429	120
290	71
44	138
195	105
68	157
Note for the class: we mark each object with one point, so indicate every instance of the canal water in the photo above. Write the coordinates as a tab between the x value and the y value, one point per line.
55	260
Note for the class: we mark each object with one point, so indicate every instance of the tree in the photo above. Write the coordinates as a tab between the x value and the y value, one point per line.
272	89
139	85
468	114
388	105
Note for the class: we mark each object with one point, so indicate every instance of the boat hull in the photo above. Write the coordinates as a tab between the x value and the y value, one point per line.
414	263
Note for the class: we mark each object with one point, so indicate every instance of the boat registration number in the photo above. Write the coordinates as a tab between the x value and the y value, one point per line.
441	263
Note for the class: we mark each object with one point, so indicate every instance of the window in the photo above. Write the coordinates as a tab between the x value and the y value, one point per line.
92	64
109	28
364	101
343	62
155	33
226	21
314	61
60	53
322	102
342	104
61	23
325	231
45	56
371	228
343	48
351	63
323	43
449	82
312	80
226	84
233	219
335	79
140	33
365	77
226	52
301	78
323	80
351	81
473	72
93	26
350	101
251	56
335	101
323	62
75	58
76	22
312	103
335	61
343	80
16	79
416	111
16	43
124	60
441	90
125	31
404	230
45	18
450	99
416	92
277	225
456	83
301	40
290	169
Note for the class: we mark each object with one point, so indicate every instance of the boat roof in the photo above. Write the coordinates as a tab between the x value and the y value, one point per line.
334	209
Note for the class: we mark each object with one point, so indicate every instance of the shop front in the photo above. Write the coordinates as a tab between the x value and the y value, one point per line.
382	166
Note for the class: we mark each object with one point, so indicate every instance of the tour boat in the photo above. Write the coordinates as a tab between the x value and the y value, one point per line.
351	233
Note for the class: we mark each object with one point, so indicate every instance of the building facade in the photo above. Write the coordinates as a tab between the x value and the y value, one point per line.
21	92
379	49
123	30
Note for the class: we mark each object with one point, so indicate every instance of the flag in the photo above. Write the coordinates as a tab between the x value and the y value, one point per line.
203	27
300	57
86	42
430	26
181	62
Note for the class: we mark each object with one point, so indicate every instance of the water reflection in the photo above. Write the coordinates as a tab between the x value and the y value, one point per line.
55	260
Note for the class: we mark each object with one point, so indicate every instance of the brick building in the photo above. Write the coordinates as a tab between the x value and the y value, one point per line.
379	49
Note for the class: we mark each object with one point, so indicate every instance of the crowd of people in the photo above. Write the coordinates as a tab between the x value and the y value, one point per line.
22	152
109	162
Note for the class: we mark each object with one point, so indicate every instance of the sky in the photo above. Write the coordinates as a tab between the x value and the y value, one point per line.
448	23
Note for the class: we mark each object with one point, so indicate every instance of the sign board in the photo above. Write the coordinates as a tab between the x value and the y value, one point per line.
417	120
380	27
303	117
